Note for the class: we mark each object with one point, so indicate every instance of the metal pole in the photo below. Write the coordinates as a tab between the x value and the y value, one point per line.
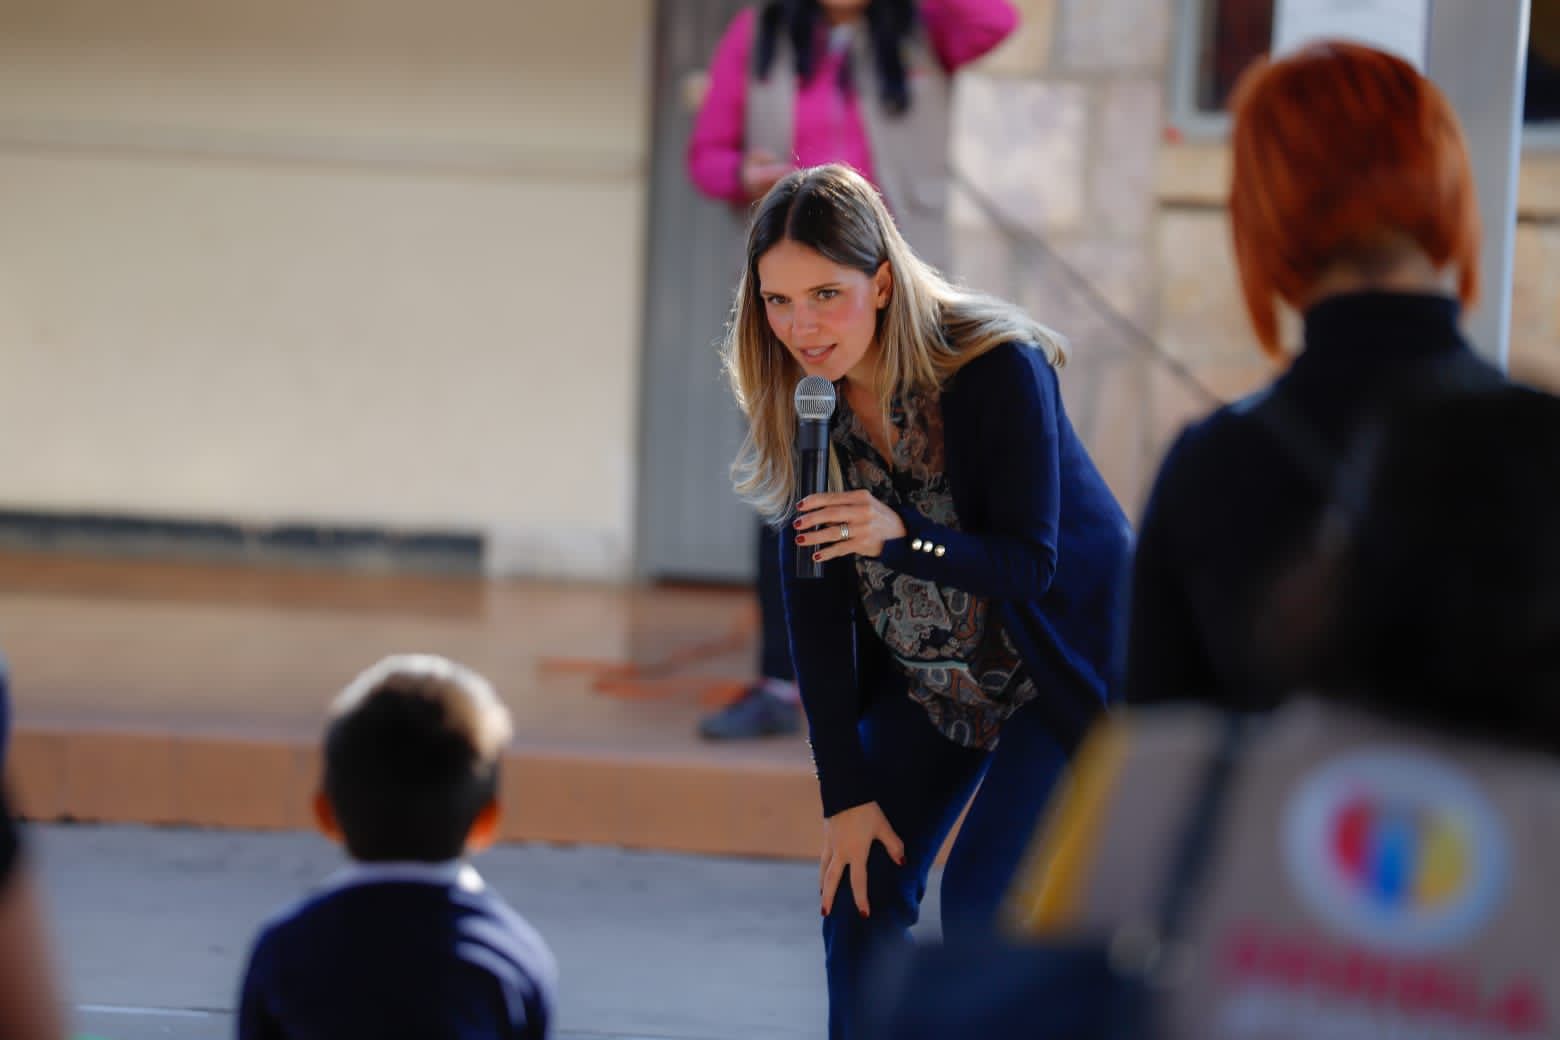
1478	57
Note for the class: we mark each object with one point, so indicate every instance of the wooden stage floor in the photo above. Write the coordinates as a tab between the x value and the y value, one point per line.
193	694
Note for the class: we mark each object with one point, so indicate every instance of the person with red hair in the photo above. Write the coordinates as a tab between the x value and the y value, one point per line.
1352	203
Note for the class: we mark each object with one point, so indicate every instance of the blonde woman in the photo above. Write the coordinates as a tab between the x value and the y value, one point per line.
973	558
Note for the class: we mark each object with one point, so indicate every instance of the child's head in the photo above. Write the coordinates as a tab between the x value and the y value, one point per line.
411	761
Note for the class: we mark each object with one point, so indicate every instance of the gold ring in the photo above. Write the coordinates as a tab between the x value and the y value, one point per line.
844	532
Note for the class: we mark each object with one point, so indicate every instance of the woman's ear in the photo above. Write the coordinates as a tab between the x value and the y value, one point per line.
325	817
883	284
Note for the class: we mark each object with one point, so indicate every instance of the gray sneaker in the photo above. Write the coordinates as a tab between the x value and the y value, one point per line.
756	713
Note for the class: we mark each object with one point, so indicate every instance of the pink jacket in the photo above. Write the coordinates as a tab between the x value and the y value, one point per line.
828	126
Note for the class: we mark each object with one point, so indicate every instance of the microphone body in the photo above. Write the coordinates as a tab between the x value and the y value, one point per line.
814	400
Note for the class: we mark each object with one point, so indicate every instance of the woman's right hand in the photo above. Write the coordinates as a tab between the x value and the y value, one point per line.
760	171
847	842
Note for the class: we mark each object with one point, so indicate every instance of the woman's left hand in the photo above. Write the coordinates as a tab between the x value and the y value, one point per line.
841	523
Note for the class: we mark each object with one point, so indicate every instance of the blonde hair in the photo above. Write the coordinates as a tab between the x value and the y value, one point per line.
928	331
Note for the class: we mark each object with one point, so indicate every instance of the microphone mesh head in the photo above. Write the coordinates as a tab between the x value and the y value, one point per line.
814	398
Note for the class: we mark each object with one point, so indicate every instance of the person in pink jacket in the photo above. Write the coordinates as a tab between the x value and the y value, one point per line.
798	83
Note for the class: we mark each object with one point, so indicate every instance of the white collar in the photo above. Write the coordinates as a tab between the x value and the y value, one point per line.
455	872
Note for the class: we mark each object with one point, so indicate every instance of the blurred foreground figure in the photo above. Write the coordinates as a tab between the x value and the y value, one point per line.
1380	852
1351	202
1376	857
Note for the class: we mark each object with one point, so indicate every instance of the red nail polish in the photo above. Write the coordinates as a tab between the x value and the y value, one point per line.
798	539
817	557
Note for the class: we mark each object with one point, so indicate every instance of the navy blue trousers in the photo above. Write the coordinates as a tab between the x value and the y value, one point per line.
924	781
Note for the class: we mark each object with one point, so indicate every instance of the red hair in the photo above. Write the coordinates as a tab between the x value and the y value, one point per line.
1338	150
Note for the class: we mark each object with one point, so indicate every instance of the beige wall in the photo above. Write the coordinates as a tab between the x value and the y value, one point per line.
330	261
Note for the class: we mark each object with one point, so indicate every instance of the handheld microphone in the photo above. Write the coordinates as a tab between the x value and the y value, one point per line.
814	401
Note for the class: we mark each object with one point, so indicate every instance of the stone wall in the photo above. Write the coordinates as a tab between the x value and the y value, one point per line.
1535	301
1058	133
1201	317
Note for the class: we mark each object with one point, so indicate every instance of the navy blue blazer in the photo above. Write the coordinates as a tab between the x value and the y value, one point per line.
1041	536
399	951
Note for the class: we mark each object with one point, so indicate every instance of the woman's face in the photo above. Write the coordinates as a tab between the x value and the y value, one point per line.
825	314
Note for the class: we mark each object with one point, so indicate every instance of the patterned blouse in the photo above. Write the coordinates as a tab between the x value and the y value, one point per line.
961	666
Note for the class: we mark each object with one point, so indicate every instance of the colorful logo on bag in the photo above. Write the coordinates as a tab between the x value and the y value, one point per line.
1397	850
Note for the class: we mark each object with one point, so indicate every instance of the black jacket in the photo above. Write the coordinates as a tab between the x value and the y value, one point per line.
1239	496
